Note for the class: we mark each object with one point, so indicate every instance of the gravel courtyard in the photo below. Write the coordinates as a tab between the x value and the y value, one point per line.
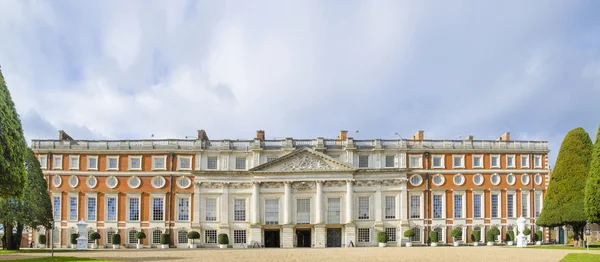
437	254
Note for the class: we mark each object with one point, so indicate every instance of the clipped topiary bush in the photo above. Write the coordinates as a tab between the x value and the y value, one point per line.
116	239
456	232
382	237
489	236
433	237
223	239
495	231
42	239
526	231
538	235
74	237
510	235
165	239
409	233
476	235
140	235
193	235
95	236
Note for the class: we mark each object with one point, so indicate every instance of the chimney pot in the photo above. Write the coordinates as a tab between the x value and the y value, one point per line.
420	135
469	138
504	137
260	134
202	136
343	135
62	136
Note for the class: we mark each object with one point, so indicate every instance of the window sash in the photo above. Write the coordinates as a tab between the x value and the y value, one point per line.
391	234
363	161
390	207
494	207
364	235
477	206
113	163
239	236
134	209
159	162
509	205
303	211
57	208
211	163
415	206
272	211
538	204
363	208
239	210
477	161
334	210
389	161
524	205
211	209
437	206
240	163
111	206
91	208
183	205
210	236
458	206
182	237
157	209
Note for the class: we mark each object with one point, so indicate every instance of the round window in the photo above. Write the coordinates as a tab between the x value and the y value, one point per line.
56	180
537	179
416	180
495	179
73	181
478	179
134	182
91	182
459	179
525	179
158	181
184	182
510	179
112	182
438	180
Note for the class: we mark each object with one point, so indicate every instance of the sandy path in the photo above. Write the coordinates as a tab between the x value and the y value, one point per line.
322	254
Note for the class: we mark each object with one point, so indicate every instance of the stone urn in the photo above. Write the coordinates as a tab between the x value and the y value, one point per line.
510	243
476	244
490	243
456	243
382	244
164	246
434	244
408	244
139	246
115	246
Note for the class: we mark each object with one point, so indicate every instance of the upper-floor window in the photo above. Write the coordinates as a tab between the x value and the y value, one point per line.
239	210
184	162
159	162
363	208
495	161
510	161
56	206
415	161
390	161
415	206
458	161
333	210
211	209
43	161
57	162
437	161
272	211
158	209
240	163
112	163
92	163
390	207
211	162
363	161
537	161
135	162
183	209
524	161
303	211
74	162
477	161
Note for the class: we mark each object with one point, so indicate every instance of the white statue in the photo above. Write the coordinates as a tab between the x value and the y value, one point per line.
521	238
82	241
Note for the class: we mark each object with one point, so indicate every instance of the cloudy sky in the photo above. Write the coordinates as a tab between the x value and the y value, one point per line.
129	69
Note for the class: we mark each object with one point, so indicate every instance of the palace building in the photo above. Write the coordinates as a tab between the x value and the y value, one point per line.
292	192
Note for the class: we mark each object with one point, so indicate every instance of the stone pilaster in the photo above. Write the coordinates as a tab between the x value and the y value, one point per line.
349	202
196	217
350	231
287	204
319	203
255	208
255	235
320	236
287	241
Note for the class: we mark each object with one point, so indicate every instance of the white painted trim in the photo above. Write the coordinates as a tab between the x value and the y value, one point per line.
441	182
463	179
151	206
442	161
514	179
132	178
129	158
179	167
419	156
524	164
480	156
482	208
71	161
124	173
110	178
162	180
462	160
76	181
106	197
525	176
183	196
482	179
163	157
492	180
69	196
56	158
87	164
471	171
499	193
535	165
535	179
443	194
87	204
44	163
514	203
91	178
182	178
108	158
514	162
498	162
463	201
128	206
416	184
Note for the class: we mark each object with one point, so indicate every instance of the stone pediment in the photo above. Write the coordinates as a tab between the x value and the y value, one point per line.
304	160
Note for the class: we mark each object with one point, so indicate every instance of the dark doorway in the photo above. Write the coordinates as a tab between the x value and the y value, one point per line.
561	236
303	238
334	237
272	238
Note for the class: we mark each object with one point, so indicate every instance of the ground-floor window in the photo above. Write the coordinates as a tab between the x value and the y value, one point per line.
109	235
56	236
90	241
364	235
210	236
131	235
156	236
439	233
182	237
459	238
239	236
391	234
417	236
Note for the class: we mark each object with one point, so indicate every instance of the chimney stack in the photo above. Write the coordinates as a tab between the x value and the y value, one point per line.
504	137
469	138
62	136
343	135
202	136
260	135
420	135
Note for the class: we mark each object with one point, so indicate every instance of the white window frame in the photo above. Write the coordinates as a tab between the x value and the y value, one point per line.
238	235
88	167
71	158
410	208
415	156
204	209
482	208
369	209
514	204
514	162
329	209
57	158
189	207
527	203
87	207
385	160
514	179
310	213
526	163
216	163
368	161
462	161
154	158
128	204
266	221
442	161
108	158
129	160
535	157
443	202
492	157
541	205
462	177
499	204
116	197
395	207
44	163
245	160
76	196
59	196
359	238
480	161
463	211
179	158
151	208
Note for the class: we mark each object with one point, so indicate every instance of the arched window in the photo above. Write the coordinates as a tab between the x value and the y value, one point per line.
417	236
132	239
459	238
182	237
109	235
90	241
156	236
439	232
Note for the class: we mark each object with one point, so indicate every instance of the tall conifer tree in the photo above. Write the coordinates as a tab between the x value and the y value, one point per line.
592	187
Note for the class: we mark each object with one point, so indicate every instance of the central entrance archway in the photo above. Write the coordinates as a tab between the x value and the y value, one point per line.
272	238
303	238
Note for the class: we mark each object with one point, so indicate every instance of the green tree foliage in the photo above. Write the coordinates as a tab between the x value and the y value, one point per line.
563	204
381	237
476	235
409	233
433	236
592	186
12	146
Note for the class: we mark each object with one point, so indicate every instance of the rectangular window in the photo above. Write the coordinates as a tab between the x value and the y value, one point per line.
43	161
437	206
135	163
211	162
477	206
364	235
272	211
239	236
477	161
333	210
159	162
417	237
524	205
538	204
391	234
158	208
112	163
510	161
459	238
363	161
91	208
57	208
415	206
415	161
182	237
111	208
437	161
74	162
389	161
57	162
183	211
494	206
240	163
109	235
524	161
134	209
458	206
156	236
210	236
495	161
509	205
269	159
184	162
73	208
92	163
390	207
303	211
239	210
211	209
363	208
458	161
537	161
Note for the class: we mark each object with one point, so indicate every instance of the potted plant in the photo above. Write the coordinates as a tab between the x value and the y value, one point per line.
95	236
510	237
42	241
382	239
538	238
409	234
433	237
489	236
116	240
191	236
223	240
476	237
527	232
139	236
456	232
165	240
74	237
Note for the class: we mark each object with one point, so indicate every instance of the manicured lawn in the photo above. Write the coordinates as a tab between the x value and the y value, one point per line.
580	257
570	247
2	252
59	259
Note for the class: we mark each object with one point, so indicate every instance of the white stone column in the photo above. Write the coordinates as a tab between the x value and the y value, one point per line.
224	210
196	218
255	203
287	207
403	210
379	205
319	203
349	202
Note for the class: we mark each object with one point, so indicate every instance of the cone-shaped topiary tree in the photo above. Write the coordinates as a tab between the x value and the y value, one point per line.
563	204
592	186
